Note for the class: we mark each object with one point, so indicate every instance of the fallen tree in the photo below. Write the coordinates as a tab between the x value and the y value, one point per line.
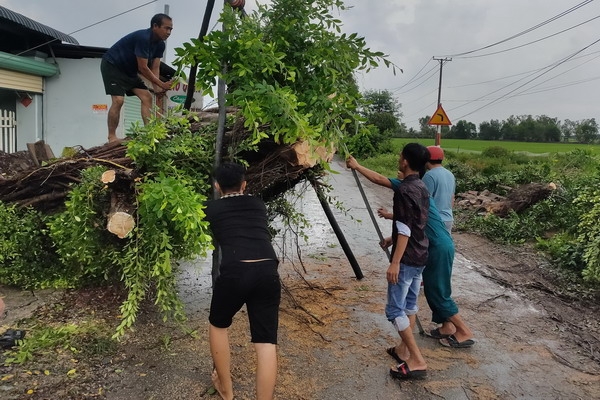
292	93
272	168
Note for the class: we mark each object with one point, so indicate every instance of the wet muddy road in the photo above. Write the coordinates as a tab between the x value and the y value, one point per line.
333	332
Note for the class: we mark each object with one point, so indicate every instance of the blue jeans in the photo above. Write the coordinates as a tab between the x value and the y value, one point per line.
402	297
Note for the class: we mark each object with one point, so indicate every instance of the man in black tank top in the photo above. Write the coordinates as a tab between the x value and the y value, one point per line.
248	275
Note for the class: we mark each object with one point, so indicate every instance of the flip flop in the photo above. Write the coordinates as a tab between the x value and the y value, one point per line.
392	352
451	341
10	337
403	372
436	334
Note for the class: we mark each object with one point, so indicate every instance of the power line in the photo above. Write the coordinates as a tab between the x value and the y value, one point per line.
486	96
514	75
413	78
430	106
534	41
89	26
431	73
562	14
503	97
557	87
425	95
562	73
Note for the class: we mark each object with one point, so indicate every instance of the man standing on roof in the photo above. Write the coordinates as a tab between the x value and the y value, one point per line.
136	53
441	185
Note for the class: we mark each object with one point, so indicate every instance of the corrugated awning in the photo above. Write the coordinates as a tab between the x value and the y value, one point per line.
27	65
28	23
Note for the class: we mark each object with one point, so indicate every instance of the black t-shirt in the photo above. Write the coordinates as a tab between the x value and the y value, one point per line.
240	226
124	53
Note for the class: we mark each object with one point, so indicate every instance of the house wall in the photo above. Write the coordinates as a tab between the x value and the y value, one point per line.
29	121
76	106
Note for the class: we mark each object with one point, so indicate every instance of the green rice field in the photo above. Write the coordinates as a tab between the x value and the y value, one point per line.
458	145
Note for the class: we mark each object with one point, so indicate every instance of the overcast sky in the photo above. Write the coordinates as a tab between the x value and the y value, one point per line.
477	87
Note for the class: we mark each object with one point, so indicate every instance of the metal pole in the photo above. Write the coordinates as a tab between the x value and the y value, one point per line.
166	12
338	232
438	133
368	206
218	154
192	78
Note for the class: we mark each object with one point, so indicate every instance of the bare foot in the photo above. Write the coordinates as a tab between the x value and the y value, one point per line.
217	384
415	366
447	328
402	351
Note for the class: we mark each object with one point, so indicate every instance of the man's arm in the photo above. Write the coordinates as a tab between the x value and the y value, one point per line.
153	75
394	269
373	176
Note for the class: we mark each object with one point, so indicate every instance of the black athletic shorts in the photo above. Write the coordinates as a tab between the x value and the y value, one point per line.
255	284
116	83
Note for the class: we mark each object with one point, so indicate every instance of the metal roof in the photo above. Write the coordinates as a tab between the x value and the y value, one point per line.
6	14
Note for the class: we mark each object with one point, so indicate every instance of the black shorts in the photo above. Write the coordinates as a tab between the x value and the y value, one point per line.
116	83
255	284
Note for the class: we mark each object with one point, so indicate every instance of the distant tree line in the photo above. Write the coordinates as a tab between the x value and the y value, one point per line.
522	128
381	112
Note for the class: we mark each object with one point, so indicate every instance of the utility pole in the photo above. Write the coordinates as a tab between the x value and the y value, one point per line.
166	11
438	133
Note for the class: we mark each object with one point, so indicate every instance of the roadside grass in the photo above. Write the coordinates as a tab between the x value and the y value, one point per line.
386	164
469	146
90	338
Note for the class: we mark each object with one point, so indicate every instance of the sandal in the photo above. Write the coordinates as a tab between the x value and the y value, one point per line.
436	334
10	337
451	341
392	352
403	372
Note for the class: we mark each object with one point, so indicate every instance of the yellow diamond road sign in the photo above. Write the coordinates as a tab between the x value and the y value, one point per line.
439	117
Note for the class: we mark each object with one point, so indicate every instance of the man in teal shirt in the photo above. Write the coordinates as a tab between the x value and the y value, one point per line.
441	185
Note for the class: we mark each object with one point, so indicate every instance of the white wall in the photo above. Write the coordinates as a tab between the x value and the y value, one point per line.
75	106
29	121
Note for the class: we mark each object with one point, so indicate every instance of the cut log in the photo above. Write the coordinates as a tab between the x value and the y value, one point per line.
308	155
119	178
120	223
108	176
122	202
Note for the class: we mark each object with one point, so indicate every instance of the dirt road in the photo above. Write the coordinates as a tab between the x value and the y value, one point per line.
532	340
